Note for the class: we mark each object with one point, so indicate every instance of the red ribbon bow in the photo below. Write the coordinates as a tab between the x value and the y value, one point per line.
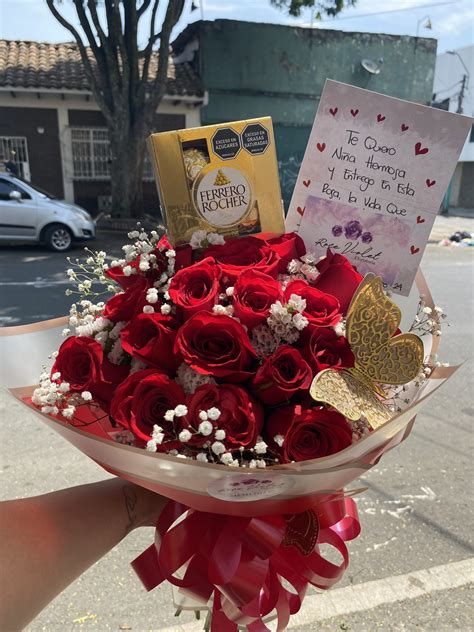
241	562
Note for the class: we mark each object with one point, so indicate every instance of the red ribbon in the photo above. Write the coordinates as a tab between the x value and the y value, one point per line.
242	562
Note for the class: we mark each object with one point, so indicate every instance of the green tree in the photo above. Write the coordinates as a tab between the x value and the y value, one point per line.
321	7
118	72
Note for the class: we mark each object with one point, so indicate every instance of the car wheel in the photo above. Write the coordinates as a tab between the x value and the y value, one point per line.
58	238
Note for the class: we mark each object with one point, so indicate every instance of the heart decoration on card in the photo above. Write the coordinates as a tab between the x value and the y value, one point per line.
300	210
306	183
414	250
333	111
354	113
321	146
430	183
420	150
404	127
380	118
419	219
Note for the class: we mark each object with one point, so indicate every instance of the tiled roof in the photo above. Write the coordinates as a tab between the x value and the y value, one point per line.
58	67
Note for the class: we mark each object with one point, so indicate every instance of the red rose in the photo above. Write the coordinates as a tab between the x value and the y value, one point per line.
126	305
183	259
238	255
142	401
322	310
196	288
151	337
81	363
216	345
338	277
125	281
254	292
241	416
288	246
281	376
325	349
307	433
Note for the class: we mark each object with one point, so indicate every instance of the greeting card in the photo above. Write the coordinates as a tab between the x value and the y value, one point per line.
373	178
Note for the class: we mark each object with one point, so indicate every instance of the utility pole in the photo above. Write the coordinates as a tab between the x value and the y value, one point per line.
461	94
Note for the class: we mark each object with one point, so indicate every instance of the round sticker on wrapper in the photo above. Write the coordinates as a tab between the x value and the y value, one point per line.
245	488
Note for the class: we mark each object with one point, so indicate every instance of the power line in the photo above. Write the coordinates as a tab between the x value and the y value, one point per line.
450	87
418	6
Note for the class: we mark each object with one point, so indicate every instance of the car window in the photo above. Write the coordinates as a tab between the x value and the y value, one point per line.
6	187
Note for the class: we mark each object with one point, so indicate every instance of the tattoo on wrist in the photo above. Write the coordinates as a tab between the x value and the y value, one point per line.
131	500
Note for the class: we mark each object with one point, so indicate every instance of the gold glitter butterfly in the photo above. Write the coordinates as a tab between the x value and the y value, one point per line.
380	357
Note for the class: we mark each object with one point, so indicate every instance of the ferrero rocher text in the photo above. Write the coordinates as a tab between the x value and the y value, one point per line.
218	178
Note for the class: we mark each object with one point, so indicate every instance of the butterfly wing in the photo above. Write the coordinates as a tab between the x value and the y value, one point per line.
372	320
397	362
349	396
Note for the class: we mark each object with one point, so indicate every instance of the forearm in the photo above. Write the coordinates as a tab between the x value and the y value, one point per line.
48	541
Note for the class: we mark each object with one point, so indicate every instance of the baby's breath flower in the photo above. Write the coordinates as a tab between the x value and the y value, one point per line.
279	439
226	458
218	448
205	428
184	436
214	414
181	410
169	415
219	434
260	447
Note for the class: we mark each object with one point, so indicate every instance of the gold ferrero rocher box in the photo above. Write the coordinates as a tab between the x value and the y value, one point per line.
219	178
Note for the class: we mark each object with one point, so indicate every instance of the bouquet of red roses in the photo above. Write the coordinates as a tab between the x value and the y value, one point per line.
209	352
230	375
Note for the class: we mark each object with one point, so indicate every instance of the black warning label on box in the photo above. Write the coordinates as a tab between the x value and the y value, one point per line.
255	138
226	143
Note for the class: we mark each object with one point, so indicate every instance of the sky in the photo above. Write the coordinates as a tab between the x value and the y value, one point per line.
452	20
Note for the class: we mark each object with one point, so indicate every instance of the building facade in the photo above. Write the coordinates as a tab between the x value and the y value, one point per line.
221	71
53	132
252	69
453	87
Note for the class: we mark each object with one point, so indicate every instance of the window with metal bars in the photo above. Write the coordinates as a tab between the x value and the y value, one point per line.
91	155
14	154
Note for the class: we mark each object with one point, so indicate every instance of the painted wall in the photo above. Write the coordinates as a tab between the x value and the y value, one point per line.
50	154
251	69
43	148
449	74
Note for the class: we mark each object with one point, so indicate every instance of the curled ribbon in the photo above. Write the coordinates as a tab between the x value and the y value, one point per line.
242	562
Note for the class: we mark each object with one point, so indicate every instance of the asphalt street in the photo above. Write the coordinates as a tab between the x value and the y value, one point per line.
416	514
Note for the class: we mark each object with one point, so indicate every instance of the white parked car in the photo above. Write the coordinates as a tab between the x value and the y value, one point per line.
29	214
